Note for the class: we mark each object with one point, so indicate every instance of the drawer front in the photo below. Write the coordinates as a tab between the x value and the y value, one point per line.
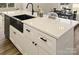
27	31
44	41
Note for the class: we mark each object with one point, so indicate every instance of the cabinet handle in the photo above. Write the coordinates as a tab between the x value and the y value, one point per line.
28	30
14	32
34	43
43	39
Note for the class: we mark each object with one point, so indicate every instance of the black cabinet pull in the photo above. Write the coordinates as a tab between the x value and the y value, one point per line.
35	44
43	39
28	30
14	32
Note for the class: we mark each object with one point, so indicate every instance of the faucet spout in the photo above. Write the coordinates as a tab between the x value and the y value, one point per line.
32	7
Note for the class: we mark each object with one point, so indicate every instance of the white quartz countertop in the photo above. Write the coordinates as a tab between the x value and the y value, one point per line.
55	28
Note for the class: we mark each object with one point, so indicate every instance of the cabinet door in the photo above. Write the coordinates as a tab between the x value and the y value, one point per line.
46	42
12	36
24	45
30	47
42	51
29	36
17	38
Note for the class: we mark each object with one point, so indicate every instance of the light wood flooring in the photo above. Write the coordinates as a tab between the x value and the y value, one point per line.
6	46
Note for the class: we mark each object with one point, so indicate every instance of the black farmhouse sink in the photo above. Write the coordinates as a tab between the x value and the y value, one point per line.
23	17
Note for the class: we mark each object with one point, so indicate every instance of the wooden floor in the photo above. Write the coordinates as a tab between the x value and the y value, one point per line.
6	46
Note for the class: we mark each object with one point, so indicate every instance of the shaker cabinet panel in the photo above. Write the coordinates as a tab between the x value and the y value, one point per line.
16	38
45	42
30	46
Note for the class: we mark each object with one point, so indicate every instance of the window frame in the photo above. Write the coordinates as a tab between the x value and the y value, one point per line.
7	5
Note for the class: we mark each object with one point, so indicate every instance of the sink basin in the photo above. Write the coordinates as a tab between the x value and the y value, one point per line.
23	17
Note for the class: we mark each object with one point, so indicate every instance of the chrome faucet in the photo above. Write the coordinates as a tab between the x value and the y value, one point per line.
32	7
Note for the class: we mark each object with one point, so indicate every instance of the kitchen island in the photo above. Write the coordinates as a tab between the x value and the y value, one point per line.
42	35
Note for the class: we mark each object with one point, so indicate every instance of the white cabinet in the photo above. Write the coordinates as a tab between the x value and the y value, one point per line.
29	47
24	44
17	38
65	44
35	42
44	41
48	44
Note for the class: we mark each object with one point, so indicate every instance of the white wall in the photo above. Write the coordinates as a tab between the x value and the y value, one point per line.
45	6
67	6
19	5
75	6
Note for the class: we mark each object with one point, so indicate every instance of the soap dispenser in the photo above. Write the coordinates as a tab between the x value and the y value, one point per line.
39	11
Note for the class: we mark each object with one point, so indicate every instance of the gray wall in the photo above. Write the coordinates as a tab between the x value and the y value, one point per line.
45	6
19	5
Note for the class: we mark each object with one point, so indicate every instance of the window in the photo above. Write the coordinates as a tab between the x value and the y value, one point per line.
10	4
6	5
3	5
64	3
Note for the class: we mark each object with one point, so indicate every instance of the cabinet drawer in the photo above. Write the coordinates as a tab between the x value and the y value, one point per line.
44	41
27	31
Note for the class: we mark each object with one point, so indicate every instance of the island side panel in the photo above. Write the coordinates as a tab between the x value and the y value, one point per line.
6	26
65	44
